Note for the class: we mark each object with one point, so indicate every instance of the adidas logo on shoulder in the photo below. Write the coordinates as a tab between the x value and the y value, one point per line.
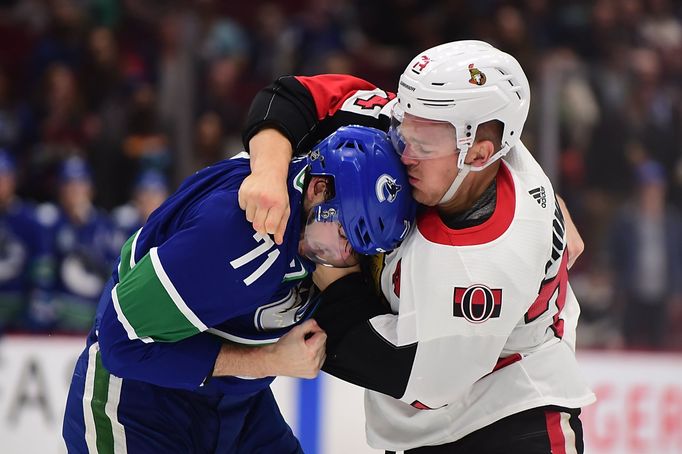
539	196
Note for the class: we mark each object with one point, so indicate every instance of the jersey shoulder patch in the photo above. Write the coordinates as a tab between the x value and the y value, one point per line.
368	102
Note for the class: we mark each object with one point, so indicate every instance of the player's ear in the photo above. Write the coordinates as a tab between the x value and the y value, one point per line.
480	153
317	189
321	186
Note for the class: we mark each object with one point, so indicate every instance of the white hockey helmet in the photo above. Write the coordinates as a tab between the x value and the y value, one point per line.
464	83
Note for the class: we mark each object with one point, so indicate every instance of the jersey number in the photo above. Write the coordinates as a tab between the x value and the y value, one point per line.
374	101
266	246
552	291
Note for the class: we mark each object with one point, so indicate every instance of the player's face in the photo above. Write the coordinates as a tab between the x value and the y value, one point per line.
324	240
75	194
421	138
326	243
149	200
430	176
7	186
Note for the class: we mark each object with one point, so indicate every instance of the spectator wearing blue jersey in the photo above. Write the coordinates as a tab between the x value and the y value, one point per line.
24	266
80	238
646	256
202	312
150	190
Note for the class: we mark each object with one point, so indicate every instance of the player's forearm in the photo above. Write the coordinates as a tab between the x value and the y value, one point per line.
183	364
244	361
286	106
575	243
271	153
356	353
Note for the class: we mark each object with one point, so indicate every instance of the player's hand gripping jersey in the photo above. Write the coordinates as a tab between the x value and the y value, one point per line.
482	319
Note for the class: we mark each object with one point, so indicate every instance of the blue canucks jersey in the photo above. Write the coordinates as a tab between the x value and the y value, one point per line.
83	255
24	263
197	274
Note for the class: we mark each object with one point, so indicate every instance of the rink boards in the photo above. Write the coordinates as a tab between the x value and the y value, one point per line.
639	408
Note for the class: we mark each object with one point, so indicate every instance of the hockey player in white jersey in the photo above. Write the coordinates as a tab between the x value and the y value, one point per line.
476	353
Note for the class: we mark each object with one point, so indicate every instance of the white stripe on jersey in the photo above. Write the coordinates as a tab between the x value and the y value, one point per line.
90	434
173	293
111	410
569	434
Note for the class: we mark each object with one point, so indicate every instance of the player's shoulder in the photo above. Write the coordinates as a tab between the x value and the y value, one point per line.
219	208
218	219
533	190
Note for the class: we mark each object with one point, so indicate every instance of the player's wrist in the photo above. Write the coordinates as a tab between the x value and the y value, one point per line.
268	361
270	152
243	361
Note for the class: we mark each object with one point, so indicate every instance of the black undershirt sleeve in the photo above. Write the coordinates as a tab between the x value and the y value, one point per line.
357	353
289	107
285	105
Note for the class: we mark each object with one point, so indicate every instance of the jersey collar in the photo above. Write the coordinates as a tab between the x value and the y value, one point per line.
434	229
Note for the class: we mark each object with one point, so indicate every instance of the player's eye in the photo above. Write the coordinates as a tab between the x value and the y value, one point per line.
344	239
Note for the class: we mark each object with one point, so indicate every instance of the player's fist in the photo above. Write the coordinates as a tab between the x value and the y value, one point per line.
266	202
301	351
263	194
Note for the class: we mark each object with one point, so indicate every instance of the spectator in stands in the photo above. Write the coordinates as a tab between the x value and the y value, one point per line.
80	237
146	143
24	264
13	114
105	88
646	253
150	190
62	128
105	79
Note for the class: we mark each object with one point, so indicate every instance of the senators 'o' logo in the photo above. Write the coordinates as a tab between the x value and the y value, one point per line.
477	303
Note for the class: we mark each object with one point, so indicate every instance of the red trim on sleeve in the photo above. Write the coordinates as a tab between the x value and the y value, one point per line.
420	406
330	91
432	227
556	435
547	290
504	362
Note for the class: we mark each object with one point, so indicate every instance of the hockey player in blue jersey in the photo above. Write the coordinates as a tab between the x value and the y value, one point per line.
202	312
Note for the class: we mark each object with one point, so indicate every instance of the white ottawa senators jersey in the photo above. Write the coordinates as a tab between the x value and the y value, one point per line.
491	313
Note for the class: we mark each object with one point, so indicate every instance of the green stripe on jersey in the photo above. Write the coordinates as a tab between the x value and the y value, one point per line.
100	395
299	179
127	255
150	308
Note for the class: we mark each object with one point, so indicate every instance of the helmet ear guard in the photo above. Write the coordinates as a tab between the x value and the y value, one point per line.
372	197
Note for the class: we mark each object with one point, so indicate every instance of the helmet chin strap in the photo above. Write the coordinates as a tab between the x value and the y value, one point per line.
456	183
464	170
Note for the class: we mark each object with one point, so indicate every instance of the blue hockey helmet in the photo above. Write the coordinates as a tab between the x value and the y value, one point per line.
372	199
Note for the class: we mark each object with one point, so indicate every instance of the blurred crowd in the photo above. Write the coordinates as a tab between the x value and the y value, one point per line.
106	105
